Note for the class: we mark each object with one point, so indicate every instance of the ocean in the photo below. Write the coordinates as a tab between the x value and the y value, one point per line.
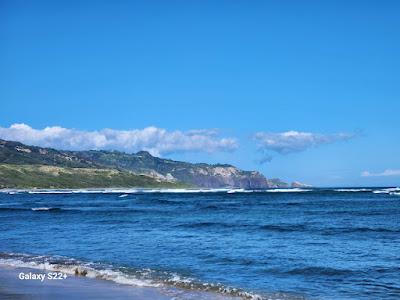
273	244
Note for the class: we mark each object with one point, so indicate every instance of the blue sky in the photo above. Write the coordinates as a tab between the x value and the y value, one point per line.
327	71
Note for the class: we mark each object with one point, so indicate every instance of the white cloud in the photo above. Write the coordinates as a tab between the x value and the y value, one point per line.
157	141
387	172
296	141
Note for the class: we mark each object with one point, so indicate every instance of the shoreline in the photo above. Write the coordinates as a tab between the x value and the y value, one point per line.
72	287
80	287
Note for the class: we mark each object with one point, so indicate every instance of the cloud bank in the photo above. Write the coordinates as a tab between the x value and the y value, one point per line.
295	141
157	141
387	172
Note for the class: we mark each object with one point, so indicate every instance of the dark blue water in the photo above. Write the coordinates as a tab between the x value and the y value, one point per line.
321	244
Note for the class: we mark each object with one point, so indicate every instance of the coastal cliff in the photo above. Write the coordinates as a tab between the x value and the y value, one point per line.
156	170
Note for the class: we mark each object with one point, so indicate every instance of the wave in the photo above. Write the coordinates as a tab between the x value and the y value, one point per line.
126	191
68	266
353	190
14	209
214	225
122	275
45	208
372	229
233	191
50	192
151	191
317	271
341	230
288	190
387	191
211	207
293	203
38	209
326	231
189	191
284	227
236	191
77	210
121	191
288	228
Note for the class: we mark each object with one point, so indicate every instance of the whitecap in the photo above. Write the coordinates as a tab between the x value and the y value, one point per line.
232	191
73	267
49	191
289	190
387	191
41	208
353	190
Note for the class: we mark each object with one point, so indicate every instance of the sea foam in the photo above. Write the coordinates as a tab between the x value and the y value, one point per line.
288	190
387	191
352	190
127	276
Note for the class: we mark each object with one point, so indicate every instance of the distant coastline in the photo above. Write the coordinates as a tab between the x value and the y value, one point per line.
24	166
125	191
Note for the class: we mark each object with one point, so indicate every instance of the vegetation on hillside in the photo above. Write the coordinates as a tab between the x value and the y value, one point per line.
42	176
129	165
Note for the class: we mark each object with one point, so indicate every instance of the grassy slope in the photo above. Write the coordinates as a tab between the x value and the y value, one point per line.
41	176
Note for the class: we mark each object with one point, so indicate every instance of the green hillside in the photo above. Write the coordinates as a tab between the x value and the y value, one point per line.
162	170
42	176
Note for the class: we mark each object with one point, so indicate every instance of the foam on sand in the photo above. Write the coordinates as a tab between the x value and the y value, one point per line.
166	282
70	287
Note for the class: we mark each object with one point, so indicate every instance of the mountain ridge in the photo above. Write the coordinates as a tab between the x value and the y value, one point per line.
141	163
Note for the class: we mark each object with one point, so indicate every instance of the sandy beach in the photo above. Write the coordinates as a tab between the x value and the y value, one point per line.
79	287
73	287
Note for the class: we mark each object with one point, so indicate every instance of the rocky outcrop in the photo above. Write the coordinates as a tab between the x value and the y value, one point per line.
222	176
277	183
297	184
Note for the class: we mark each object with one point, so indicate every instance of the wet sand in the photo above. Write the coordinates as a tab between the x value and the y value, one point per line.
78	287
73	287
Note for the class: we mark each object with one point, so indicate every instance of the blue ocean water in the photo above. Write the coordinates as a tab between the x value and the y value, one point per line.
312	244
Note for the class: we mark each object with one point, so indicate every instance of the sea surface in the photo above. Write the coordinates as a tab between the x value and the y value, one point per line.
273	244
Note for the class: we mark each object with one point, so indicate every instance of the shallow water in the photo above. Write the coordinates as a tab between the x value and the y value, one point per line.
323	244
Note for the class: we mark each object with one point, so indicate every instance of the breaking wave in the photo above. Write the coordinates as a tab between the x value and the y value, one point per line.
45	208
117	191
292	190
387	191
125	192
122	275
353	190
36	209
